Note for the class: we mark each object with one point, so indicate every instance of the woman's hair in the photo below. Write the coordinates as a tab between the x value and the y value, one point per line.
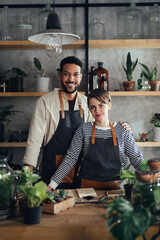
100	94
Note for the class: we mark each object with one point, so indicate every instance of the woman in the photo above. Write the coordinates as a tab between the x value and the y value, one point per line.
106	148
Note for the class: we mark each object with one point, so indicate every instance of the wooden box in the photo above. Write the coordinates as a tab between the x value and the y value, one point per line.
58	207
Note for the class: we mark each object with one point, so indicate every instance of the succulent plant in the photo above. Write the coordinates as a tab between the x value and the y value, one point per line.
130	67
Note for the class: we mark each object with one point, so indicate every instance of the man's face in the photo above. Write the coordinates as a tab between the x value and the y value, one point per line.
70	77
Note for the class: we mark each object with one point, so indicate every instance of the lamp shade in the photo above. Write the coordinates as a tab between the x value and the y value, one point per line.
53	29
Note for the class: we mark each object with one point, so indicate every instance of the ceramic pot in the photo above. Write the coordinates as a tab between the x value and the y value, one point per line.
154	85
32	215
43	84
157	134
128	85
154	163
16	84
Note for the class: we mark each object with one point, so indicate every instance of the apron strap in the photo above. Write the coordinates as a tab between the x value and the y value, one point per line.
62	106
80	106
61	103
113	134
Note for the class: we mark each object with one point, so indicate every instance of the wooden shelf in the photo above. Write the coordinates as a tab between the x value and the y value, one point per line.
148	144
114	94
13	144
27	45
24	144
93	44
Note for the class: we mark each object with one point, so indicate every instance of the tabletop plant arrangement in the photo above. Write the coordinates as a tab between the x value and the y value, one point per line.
32	192
42	80
150	76
129	69
16	79
156	121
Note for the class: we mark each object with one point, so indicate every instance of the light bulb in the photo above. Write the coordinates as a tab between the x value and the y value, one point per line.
54	46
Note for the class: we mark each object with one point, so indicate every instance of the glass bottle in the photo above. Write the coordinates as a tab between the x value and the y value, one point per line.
93	79
6	189
133	22
24	29
42	17
98	29
103	76
154	23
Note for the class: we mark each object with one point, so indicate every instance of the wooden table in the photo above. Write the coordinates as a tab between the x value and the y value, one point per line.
82	222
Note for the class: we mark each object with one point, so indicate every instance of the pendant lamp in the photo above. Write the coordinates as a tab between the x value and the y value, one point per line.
53	36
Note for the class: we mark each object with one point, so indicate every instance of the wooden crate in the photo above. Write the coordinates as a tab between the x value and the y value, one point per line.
58	207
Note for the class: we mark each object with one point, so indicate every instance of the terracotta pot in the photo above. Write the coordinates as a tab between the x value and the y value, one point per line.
154	163
154	85
128	85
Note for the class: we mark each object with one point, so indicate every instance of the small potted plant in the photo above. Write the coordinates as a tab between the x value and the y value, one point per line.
150	76
42	80
5	113
16	81
156	121
129	69
33	192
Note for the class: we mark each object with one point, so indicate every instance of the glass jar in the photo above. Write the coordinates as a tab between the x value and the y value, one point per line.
133	23
103	76
145	86
98	29
154	23
24	29
42	17
7	196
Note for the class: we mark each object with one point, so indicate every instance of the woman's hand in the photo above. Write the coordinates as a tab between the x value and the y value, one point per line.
49	188
126	126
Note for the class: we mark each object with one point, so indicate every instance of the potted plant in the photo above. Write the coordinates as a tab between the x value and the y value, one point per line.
129	69
150	76
16	80
156	121
5	113
4	82
42	80
33	193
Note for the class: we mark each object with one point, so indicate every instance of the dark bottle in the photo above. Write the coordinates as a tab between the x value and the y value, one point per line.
93	79
103	76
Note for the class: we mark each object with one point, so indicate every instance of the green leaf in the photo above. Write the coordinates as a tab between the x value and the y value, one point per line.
144	165
37	64
157	194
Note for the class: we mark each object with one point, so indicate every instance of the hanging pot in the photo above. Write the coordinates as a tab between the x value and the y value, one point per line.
32	215
128	85
43	84
154	85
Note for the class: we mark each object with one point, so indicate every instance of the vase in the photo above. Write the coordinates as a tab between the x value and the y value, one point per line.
43	84
32	215
128	85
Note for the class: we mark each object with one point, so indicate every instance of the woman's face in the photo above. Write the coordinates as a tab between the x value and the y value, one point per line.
99	110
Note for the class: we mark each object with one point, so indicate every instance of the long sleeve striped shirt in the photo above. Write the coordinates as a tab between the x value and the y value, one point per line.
128	149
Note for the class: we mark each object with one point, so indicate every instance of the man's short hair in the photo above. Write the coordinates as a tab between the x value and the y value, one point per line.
71	60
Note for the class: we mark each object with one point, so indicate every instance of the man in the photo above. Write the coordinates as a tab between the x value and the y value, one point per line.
55	118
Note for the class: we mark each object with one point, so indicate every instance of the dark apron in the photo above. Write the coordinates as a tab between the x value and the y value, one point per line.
101	163
60	141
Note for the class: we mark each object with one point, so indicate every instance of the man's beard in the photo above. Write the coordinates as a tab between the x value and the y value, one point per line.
65	88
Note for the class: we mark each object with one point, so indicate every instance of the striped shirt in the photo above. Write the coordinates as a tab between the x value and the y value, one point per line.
128	150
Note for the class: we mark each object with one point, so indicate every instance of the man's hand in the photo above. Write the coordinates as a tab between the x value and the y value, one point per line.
126	126
30	167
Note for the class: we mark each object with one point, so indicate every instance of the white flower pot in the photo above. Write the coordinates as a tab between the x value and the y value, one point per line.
157	134
43	84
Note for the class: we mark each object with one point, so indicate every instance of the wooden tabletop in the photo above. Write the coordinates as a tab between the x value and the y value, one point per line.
83	221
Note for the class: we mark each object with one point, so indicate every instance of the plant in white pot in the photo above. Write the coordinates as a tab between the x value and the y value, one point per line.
42	80
156	121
